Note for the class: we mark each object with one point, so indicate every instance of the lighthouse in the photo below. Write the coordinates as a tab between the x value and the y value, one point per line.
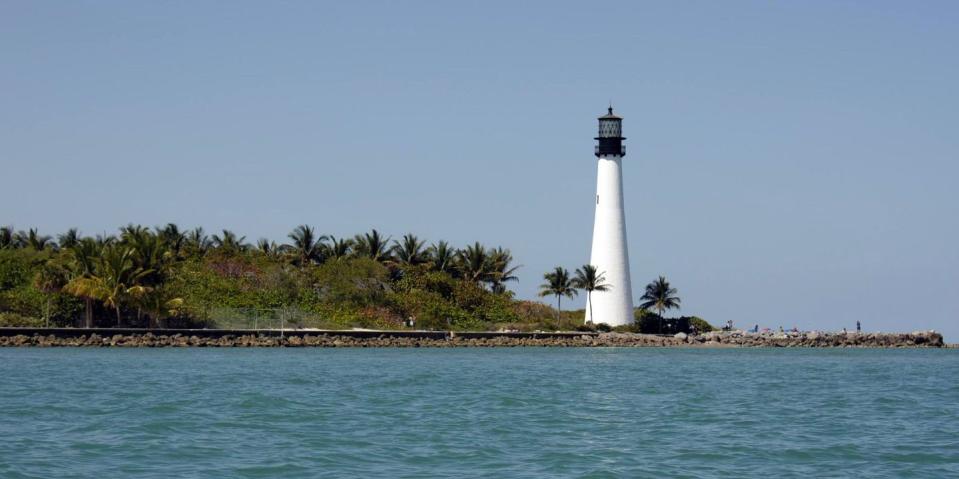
610	256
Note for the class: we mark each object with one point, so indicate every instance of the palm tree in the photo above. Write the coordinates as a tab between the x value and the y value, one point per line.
589	280
306	245
34	240
7	239
132	235
442	257
51	278
160	303
197	241
153	256
83	259
410	251
69	239
660	296
473	263
172	236
559	284
267	247
372	245
115	278
338	248
229	242
500	270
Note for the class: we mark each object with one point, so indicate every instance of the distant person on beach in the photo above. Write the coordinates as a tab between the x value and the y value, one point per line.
858	326
756	328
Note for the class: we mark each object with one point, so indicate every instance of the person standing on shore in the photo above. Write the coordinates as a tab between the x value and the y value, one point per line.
858	326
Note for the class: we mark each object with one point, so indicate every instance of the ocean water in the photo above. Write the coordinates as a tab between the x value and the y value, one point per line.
478	413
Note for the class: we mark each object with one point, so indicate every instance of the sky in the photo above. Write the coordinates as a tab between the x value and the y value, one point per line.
789	163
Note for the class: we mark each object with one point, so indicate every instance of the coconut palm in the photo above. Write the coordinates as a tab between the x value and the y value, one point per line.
442	258
132	233
267	247
69	239
410	251
34	240
229	242
197	242
160	303
559	284
7	239
372	245
307	246
50	279
472	263
501	270
660	296
337	249
82	263
589	280
172	236
114	280
153	256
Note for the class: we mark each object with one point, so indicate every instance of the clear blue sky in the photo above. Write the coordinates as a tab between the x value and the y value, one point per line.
790	163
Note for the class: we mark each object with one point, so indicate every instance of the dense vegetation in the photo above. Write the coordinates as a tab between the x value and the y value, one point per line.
167	277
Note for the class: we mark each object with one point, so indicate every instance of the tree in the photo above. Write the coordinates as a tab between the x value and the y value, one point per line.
7	239
589	280
559	284
267	247
83	258
410	251
373	246
50	279
229	242
160	303
442	257
173	237
69	239
473	263
115	278
34	240
660	296
501	270
197	242
307	246
337	249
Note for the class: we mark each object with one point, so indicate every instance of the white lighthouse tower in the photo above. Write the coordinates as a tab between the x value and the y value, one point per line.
610	256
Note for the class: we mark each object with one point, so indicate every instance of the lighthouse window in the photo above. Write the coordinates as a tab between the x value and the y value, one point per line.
597	199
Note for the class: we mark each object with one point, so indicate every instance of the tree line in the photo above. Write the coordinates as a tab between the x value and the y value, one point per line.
130	271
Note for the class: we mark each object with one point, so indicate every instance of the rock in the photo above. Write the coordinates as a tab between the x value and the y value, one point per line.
681	336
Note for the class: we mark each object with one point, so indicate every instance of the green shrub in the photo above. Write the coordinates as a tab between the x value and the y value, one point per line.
14	320
701	325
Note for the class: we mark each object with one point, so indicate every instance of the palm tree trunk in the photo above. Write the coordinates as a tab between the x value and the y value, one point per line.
559	306
89	312
589	300
118	315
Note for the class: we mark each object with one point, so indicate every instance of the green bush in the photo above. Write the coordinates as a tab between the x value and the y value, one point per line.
14	320
701	325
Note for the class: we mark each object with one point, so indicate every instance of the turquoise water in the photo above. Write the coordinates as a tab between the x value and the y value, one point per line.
478	413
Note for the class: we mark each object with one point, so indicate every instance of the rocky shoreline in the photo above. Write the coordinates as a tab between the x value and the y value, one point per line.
919	339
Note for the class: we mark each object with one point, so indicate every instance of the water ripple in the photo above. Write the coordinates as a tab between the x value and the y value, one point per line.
478	413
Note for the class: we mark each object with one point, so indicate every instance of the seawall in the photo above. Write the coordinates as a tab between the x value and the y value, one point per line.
103	337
